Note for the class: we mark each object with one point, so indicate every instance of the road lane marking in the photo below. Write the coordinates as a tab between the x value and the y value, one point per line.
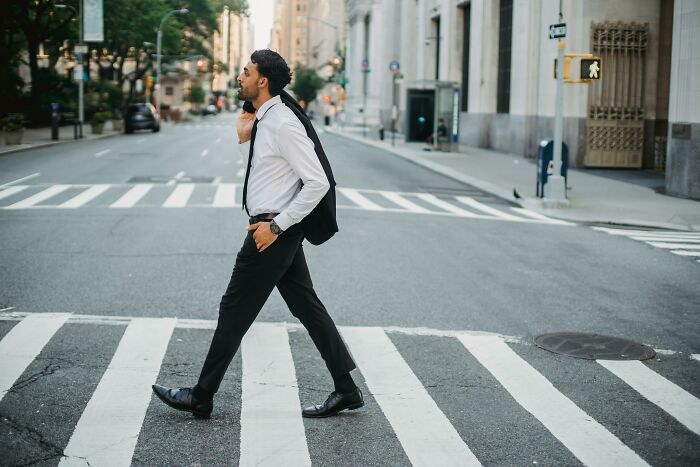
360	200
108	429
642	233
39	197
204	153
225	196
435	201
177	177
425	433
474	204
9	191
587	439
695	356
403	202
685	253
85	197
272	430
240	173
671	398
218	140
20	180
133	196
102	153
668	239
23	343
180	195
674	246
141	140
540	217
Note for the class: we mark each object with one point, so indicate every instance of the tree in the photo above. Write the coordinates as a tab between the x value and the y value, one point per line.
306	84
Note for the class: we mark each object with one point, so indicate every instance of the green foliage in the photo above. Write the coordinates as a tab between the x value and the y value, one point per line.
13	122
306	84
196	94
100	117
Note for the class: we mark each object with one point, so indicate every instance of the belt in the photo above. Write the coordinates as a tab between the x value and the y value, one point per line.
264	217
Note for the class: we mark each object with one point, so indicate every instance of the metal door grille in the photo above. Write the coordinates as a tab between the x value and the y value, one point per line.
616	102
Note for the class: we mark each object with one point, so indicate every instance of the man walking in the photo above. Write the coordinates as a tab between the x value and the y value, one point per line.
284	182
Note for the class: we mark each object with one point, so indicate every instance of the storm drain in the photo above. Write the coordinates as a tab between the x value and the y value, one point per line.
594	346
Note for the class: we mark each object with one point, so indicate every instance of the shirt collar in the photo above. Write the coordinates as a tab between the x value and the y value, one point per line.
266	106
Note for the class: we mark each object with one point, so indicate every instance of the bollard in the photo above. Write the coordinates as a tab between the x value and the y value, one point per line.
55	120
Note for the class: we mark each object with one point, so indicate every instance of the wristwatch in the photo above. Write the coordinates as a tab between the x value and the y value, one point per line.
274	228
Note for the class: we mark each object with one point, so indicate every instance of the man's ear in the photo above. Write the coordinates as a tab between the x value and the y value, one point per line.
262	82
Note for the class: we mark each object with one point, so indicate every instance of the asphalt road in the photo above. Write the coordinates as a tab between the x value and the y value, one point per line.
147	226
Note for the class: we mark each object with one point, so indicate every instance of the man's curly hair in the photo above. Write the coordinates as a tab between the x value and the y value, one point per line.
272	66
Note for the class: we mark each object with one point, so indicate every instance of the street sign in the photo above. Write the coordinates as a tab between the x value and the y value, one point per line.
590	68
81	48
557	31
77	72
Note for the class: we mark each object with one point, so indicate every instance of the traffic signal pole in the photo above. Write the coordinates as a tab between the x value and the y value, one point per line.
555	188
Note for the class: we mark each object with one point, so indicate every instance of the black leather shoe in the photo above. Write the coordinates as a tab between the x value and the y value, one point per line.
334	404
183	399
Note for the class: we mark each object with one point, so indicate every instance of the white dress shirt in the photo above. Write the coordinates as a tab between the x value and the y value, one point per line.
283	159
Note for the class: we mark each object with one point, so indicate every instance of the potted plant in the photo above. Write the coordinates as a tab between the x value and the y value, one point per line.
98	121
13	128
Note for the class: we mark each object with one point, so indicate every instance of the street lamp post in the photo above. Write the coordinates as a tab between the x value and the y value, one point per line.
181	11
79	61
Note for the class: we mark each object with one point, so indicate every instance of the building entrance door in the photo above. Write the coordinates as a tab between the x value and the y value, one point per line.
615	136
421	114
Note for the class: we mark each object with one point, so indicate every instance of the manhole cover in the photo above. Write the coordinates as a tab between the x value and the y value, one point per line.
594	346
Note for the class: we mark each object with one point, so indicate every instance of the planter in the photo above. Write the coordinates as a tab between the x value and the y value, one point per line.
13	137
97	128
117	125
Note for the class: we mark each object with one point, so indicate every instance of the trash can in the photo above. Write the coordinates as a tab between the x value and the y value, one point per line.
545	163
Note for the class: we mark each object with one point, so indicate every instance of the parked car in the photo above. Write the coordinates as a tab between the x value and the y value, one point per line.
209	110
141	116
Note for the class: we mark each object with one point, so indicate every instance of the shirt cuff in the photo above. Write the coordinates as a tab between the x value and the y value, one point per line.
284	220
244	149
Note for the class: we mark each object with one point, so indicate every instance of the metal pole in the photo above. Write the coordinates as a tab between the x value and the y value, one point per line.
81	105
159	37
393	108
555	189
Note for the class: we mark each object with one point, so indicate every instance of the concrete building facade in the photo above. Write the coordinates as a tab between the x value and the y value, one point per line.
498	55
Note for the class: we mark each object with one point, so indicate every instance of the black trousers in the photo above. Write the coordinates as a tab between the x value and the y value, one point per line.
254	276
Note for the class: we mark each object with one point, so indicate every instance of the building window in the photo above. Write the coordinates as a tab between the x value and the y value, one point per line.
169	91
436	35
466	32
505	38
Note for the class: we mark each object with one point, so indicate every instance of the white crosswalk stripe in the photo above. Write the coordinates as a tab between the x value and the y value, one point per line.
678	243
23	344
122	397
176	194
272	429
676	401
423	430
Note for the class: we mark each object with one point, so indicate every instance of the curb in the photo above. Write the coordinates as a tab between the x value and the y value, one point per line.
533	204
55	143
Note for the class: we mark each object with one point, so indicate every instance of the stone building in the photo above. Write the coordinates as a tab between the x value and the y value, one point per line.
496	55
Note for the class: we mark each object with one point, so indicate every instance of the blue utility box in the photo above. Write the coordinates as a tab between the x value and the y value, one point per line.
545	154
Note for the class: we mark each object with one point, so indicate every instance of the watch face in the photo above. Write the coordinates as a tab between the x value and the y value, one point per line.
274	228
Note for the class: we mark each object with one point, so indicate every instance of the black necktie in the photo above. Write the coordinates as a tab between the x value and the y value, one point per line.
250	160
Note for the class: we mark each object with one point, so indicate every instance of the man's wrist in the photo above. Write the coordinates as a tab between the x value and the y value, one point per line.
274	228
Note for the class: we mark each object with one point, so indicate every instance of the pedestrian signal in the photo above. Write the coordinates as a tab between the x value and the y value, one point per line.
590	68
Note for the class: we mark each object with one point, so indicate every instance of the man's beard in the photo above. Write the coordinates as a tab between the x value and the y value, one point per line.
245	96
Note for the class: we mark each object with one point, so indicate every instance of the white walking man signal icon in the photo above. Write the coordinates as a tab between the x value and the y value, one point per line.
593	70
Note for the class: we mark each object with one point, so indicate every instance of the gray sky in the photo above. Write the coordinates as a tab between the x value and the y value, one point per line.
261	15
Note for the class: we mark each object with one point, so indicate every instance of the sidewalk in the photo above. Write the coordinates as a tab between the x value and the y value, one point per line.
40	137
611	197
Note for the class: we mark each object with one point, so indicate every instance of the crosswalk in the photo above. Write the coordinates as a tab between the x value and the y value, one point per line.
228	195
272	431
679	243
